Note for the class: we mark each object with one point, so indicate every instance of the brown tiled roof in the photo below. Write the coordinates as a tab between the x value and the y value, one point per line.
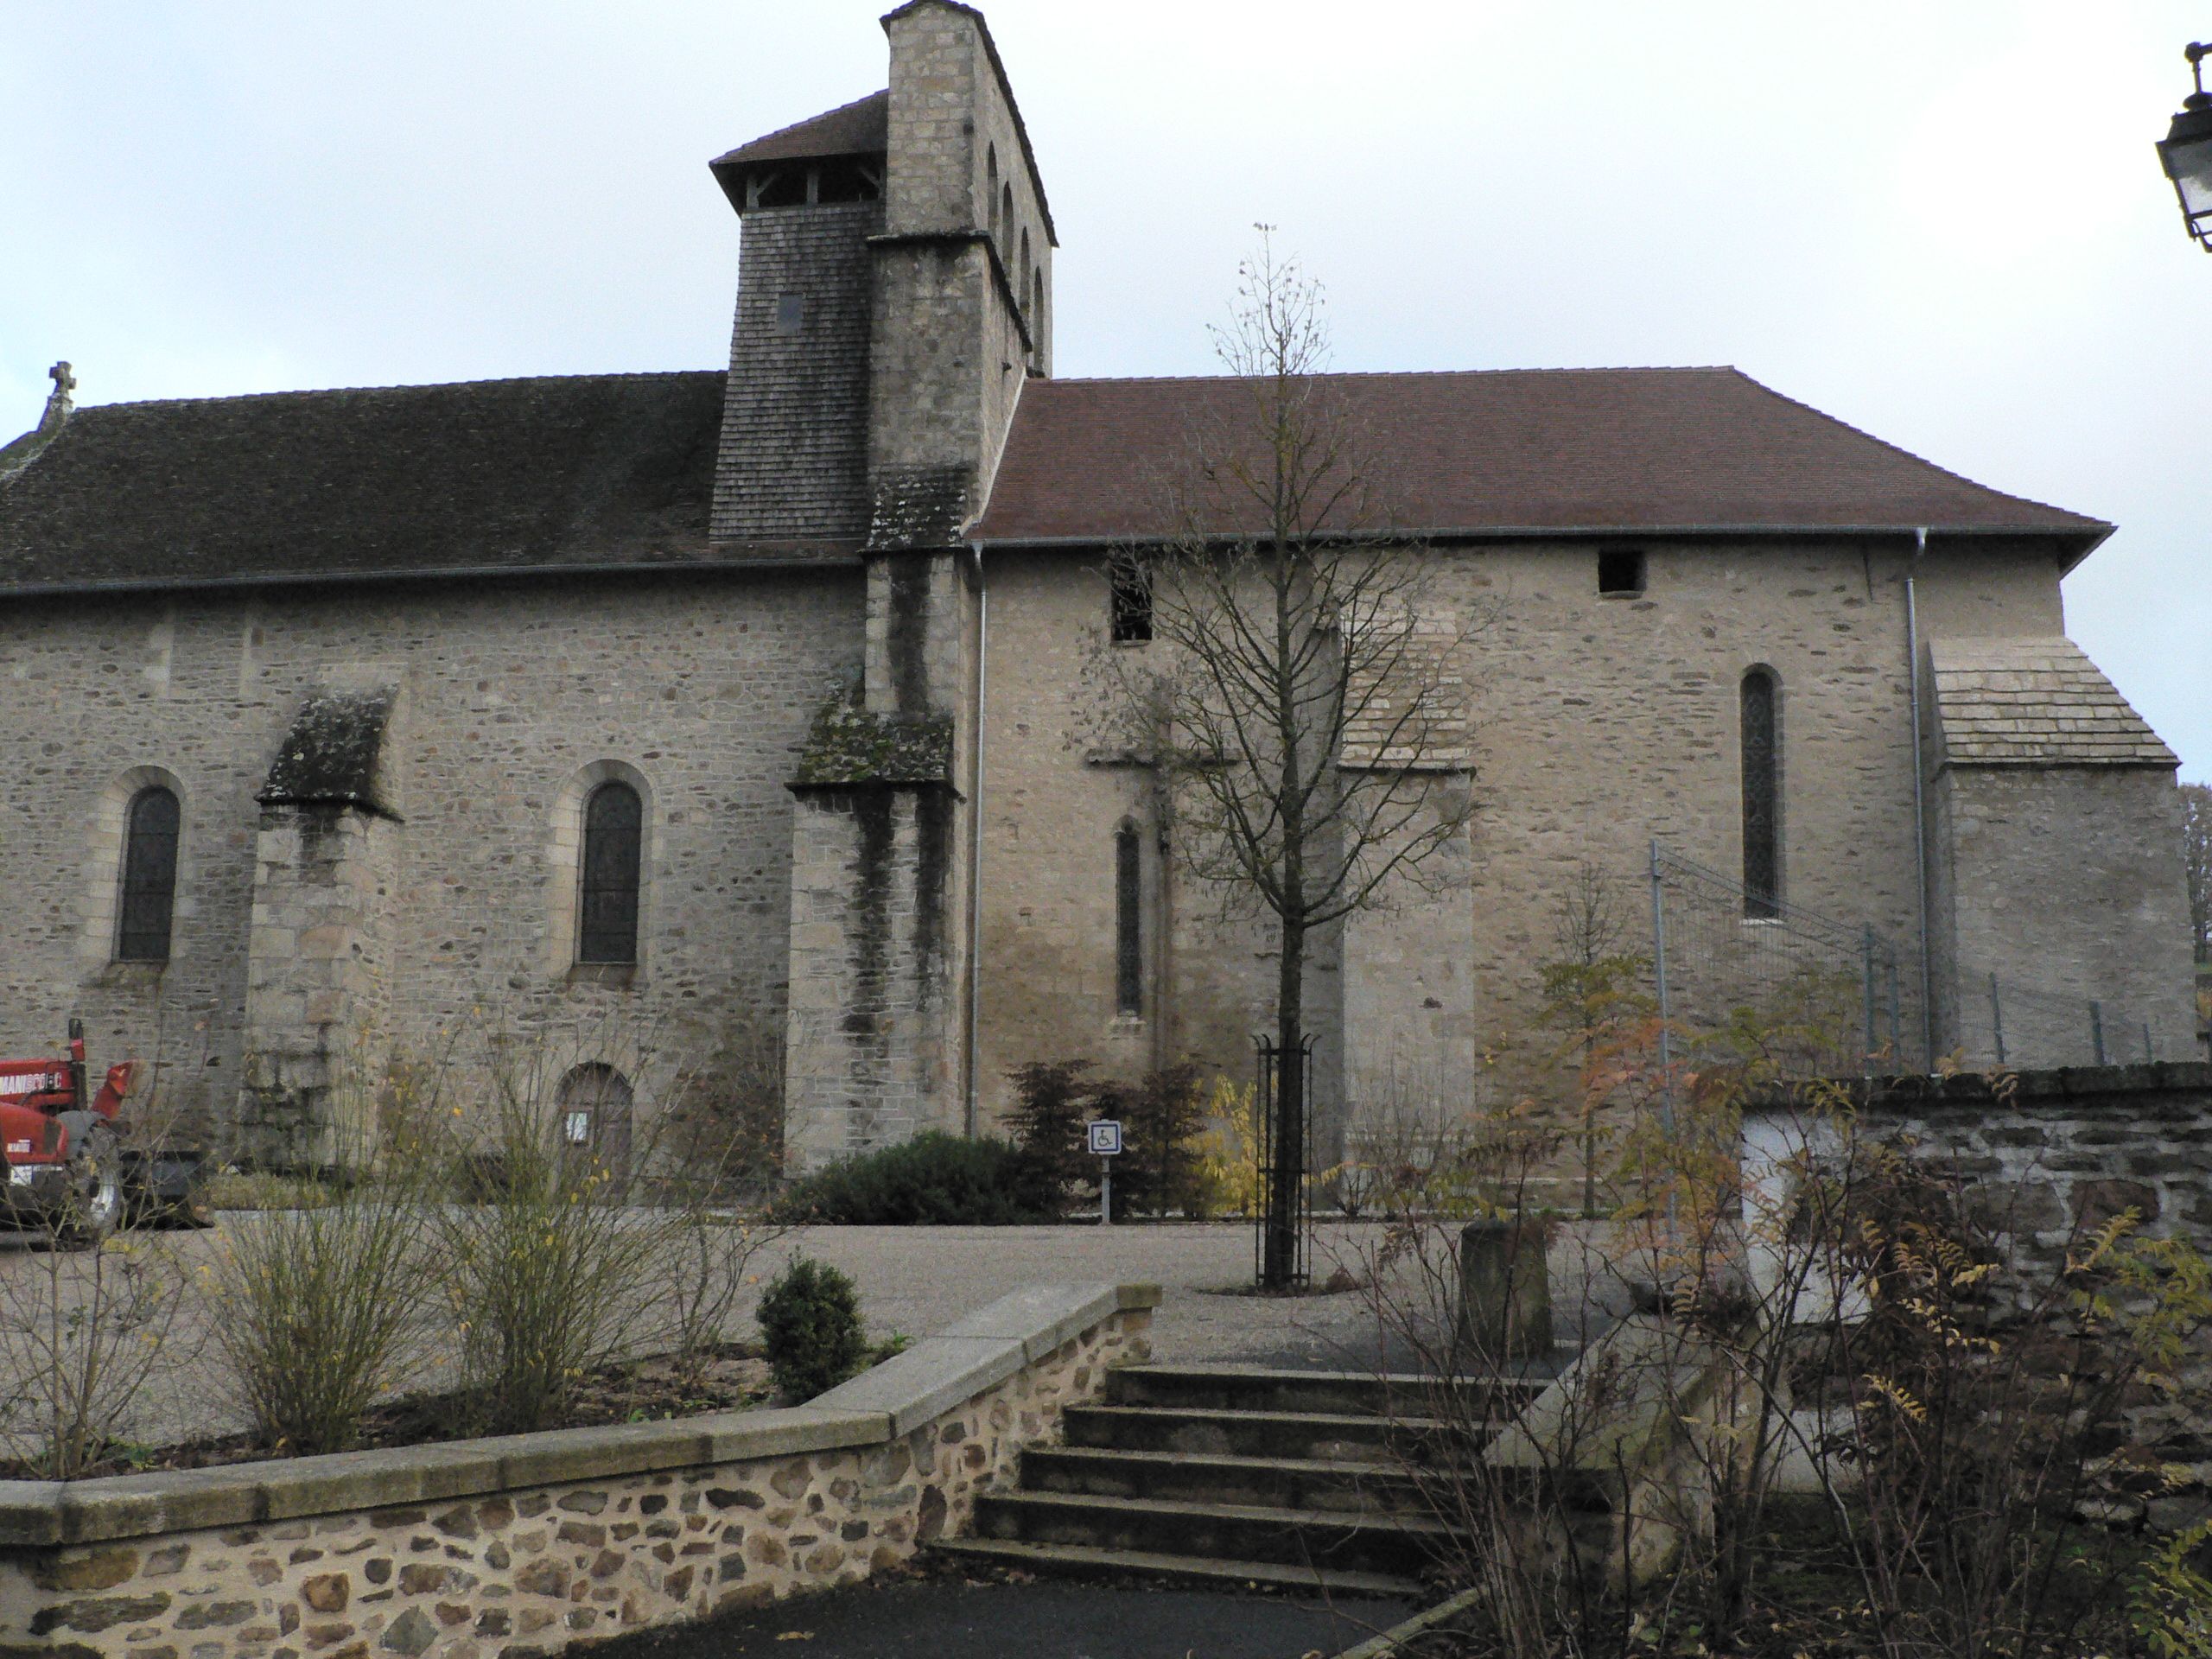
2035	702
860	128
603	469
1506	451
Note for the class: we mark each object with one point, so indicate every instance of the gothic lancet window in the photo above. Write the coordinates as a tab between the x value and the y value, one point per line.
1762	731
148	876
613	840
1129	926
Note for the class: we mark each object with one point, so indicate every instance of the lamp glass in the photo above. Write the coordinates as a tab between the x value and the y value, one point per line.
2186	154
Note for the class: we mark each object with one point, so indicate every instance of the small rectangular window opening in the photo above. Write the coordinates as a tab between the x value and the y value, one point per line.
1620	570
790	313
1132	601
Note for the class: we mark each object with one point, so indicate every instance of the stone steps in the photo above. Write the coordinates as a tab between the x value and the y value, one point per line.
1232	1387
1339	1436
1348	1485
1230	1475
1400	1545
1084	1562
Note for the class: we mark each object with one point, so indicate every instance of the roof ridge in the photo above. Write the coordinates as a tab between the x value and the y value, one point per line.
1390	374
1917	459
84	409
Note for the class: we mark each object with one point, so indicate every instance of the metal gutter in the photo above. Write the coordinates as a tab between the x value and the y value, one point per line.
1920	800
448	572
976	850
1540	532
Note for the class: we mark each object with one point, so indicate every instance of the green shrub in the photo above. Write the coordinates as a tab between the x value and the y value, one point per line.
933	1180
321	1308
810	1322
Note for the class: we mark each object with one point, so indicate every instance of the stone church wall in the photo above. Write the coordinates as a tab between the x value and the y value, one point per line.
1597	722
703	687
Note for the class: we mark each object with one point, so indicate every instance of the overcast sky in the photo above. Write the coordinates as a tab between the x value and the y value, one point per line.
1942	222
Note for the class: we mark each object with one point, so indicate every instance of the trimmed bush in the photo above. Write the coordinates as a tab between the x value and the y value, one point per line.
810	1322
933	1180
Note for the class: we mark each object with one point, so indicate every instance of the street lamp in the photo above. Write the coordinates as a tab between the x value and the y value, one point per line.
2186	151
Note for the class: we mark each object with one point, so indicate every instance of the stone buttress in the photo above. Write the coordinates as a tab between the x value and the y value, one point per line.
320	946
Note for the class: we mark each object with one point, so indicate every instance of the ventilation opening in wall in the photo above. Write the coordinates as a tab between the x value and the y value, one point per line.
1131	602
1620	570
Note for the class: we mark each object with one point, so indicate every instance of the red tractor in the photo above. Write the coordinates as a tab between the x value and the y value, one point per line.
68	1163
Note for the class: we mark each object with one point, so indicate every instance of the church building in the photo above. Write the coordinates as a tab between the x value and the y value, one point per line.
659	716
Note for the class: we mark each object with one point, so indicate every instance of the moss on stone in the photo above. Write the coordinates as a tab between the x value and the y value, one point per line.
848	744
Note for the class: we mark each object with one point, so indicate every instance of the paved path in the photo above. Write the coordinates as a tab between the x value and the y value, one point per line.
1035	1621
918	1280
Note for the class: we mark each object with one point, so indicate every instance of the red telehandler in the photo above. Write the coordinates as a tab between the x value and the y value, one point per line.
70	1163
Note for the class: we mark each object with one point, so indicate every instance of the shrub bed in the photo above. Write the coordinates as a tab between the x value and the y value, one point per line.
933	1180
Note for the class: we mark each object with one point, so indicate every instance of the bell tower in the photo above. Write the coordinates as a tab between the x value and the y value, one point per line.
895	297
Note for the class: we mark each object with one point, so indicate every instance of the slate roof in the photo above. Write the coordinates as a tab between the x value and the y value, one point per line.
860	128
2035	702
614	469
1499	452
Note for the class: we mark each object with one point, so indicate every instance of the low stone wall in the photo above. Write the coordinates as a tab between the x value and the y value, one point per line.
2046	1156
520	1545
2050	1152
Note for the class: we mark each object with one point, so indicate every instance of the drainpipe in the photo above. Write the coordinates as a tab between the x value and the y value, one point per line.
975	847
1920	801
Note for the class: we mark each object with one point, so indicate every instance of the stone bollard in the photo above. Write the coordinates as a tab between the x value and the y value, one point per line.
1505	1292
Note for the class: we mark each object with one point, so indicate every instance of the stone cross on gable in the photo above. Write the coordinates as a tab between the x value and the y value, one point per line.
59	403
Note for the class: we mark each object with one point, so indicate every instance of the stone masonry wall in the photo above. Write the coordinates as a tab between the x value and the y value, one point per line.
1597	721
2051	1156
2090	856
702	686
318	1006
871	1045
520	1570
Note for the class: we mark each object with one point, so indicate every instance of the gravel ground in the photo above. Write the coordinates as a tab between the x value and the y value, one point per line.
916	1281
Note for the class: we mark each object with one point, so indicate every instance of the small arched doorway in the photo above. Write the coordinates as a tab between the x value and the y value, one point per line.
593	1120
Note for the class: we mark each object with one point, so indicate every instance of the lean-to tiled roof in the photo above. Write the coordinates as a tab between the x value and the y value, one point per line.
860	128
2035	702
1501	452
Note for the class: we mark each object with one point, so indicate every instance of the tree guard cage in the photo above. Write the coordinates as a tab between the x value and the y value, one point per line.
1282	1239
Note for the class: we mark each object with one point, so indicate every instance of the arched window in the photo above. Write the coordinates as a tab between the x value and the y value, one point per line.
1128	923
991	189
148	876
1005	220
1037	303
607	929
1762	733
593	1105
1023	288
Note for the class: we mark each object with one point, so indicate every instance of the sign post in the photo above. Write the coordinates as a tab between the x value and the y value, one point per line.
1106	1145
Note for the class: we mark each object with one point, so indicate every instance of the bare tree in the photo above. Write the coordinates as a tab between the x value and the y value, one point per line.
2196	856
1302	698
